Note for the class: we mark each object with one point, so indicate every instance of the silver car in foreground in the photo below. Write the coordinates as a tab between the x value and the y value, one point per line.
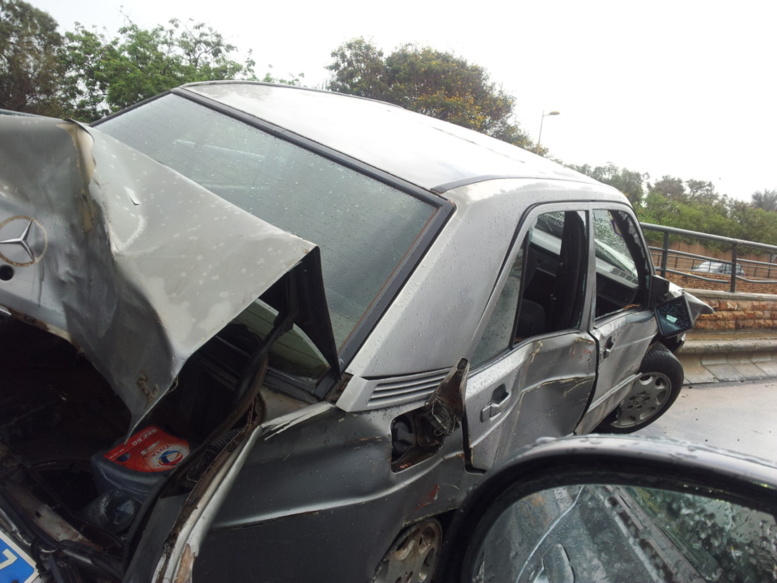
268	333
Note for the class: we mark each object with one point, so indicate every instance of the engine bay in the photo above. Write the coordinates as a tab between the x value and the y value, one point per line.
74	477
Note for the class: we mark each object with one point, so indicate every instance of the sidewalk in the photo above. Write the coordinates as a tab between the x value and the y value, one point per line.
730	357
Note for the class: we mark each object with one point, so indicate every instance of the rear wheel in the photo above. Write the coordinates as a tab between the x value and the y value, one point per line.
651	395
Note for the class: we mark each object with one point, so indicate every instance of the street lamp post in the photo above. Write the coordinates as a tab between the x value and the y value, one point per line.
539	137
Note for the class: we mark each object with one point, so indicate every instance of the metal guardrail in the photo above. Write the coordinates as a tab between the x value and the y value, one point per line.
737	268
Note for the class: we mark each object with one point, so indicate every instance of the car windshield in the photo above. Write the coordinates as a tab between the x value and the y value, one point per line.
364	228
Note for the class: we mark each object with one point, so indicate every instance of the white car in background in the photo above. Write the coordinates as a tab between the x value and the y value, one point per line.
717	267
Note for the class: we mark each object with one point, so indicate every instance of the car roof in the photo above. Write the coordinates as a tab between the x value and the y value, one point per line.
424	151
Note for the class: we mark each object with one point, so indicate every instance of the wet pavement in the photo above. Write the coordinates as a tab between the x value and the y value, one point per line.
740	417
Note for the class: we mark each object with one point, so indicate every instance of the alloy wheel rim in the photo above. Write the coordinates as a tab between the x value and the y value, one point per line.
646	399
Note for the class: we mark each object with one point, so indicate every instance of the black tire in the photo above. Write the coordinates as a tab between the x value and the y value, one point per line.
651	396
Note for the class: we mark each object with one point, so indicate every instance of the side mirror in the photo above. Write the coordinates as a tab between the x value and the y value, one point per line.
671	308
618	509
674	316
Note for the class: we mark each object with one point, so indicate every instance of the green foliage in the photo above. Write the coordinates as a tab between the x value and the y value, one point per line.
668	186
765	200
629	182
662	210
108	74
29	70
427	81
359	68
698	192
754	222
693	205
696	206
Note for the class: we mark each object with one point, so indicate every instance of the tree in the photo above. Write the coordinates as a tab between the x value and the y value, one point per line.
669	186
428	81
29	69
754	223
104	75
359	69
765	199
704	192
694	192
85	86
629	182
694	205
687	214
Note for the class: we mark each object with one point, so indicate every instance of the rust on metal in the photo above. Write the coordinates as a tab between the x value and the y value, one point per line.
429	498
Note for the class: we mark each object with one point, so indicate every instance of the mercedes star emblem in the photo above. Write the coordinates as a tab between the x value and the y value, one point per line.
23	241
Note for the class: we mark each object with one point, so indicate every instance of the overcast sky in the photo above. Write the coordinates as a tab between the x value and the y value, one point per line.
685	88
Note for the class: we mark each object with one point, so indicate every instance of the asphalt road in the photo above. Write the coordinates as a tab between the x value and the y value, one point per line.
740	417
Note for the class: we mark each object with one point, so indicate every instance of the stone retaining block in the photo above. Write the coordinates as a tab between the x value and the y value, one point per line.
737	311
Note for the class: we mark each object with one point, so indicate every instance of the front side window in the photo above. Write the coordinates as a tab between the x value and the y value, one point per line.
364	228
622	267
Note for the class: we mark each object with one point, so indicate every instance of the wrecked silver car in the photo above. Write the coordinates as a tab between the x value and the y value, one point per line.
246	323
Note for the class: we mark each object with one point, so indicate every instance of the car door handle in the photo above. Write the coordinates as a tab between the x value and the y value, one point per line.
608	347
500	399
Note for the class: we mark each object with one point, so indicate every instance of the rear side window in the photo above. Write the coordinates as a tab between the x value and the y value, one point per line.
545	287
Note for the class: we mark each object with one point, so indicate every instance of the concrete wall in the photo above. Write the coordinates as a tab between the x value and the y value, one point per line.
740	311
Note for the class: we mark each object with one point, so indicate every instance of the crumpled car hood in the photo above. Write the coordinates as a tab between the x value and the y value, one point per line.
133	263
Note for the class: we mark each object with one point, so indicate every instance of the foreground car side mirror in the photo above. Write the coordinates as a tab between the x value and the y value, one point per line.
672	307
673	317
618	509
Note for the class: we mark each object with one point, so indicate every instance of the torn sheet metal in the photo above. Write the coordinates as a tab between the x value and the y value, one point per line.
135	264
